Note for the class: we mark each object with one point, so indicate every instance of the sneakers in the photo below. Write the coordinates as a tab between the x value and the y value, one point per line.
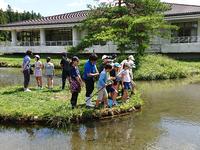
88	102
27	90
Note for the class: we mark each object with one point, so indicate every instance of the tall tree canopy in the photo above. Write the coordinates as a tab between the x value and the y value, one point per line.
130	24
10	16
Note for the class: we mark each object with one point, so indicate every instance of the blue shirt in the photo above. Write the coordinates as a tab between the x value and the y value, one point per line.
88	68
26	62
102	79
74	72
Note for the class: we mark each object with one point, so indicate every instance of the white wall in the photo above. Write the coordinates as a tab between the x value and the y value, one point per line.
35	49
181	48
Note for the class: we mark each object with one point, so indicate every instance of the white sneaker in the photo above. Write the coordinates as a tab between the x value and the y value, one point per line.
27	90
88	102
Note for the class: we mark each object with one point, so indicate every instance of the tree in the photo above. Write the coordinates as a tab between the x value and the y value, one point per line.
10	16
130	24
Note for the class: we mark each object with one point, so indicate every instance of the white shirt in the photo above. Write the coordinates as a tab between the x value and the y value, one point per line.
130	62
126	75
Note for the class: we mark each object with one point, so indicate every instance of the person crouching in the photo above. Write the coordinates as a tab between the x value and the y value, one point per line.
102	94
75	81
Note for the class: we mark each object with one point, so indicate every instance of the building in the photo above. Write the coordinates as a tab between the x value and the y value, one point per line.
55	34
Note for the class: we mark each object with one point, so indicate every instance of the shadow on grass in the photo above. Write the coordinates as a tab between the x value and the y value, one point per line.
13	91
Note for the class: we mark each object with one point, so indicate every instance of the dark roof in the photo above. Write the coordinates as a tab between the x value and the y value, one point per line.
77	17
73	17
182	9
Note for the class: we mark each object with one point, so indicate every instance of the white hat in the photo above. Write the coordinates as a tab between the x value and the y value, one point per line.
104	57
37	56
131	57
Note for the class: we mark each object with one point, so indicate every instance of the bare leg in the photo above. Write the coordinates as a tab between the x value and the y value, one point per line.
125	95
105	99
40	81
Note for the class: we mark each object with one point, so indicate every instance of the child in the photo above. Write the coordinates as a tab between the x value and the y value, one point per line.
115	76
49	71
38	71
126	81
103	95
75	81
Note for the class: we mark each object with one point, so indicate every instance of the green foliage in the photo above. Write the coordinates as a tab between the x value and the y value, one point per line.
129	23
10	16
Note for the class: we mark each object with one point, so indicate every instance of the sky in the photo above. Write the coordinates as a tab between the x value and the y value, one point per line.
54	7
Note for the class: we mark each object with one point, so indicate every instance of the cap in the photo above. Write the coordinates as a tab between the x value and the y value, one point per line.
117	65
127	64
75	58
104	57
131	57
37	56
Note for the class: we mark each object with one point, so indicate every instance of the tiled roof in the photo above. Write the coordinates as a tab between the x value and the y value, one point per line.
76	17
73	17
182	9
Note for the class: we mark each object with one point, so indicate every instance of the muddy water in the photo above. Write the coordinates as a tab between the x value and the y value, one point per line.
170	120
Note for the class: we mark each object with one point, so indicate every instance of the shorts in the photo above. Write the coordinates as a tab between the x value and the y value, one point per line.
102	94
127	85
110	89
50	76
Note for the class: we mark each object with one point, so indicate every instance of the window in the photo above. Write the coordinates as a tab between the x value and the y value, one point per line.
187	32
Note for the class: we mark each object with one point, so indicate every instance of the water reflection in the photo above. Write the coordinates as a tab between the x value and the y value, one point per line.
170	120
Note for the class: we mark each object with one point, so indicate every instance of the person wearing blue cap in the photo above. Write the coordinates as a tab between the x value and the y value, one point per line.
115	76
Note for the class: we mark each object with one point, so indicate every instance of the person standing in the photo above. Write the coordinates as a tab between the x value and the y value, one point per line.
49	71
65	65
105	59
38	71
26	70
75	81
126	81
102	83
90	72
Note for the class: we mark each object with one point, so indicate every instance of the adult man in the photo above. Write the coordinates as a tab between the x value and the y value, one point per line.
65	65
26	70
90	72
105	60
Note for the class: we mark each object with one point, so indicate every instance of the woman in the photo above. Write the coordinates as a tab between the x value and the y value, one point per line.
38	71
26	70
49	71
90	72
75	81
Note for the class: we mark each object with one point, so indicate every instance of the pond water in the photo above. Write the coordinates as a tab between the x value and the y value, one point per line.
169	120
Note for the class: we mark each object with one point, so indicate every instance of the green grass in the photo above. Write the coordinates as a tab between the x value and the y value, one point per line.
16	60
151	67
51	107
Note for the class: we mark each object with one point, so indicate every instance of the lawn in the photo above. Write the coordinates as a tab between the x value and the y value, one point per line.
53	107
150	67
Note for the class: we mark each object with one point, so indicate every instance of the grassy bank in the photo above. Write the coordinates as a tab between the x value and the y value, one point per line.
151	67
52	107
